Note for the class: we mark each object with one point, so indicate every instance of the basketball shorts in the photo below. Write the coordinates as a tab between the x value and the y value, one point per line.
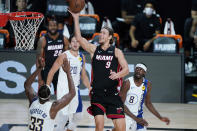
75	106
112	105
44	74
132	125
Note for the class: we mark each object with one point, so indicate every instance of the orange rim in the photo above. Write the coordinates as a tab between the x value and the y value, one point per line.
30	15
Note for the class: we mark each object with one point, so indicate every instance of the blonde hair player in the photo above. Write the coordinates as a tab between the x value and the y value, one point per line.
135	91
105	62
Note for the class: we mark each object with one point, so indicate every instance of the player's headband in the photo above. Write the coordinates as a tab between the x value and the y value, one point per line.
44	98
142	66
49	94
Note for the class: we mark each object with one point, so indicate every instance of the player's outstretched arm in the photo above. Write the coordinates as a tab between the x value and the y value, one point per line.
123	94
29	91
40	53
151	108
65	100
66	43
90	48
56	65
84	76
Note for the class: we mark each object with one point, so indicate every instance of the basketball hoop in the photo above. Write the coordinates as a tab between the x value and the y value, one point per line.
3	19
25	26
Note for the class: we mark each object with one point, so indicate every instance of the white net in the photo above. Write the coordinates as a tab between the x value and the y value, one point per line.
25	30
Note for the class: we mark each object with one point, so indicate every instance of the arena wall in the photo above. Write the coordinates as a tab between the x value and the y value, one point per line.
165	71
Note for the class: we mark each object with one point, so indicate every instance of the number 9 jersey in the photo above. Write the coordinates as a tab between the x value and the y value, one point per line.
39	116
103	62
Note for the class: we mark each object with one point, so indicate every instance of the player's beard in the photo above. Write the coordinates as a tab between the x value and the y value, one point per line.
52	32
137	76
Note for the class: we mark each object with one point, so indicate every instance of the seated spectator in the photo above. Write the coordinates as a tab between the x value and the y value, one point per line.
144	28
21	5
88	9
190	31
129	8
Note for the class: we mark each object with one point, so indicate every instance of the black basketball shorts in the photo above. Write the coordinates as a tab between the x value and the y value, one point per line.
112	105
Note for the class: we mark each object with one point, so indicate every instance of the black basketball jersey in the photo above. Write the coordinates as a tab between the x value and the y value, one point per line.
102	63
53	49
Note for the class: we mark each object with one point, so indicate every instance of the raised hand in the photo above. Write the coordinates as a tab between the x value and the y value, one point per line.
41	62
75	15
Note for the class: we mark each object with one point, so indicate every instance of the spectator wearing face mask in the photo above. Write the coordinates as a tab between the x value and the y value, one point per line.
129	8
144	28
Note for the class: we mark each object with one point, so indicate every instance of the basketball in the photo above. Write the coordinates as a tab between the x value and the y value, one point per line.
76	5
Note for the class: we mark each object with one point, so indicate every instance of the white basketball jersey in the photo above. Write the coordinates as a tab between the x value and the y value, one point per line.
76	64
39	118
135	97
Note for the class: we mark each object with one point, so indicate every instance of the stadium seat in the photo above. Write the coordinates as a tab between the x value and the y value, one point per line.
6	34
167	43
57	8
88	24
95	39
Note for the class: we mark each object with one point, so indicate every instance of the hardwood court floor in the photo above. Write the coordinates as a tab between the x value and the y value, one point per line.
13	115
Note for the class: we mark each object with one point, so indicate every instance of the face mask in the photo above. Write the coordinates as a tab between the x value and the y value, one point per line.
148	11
